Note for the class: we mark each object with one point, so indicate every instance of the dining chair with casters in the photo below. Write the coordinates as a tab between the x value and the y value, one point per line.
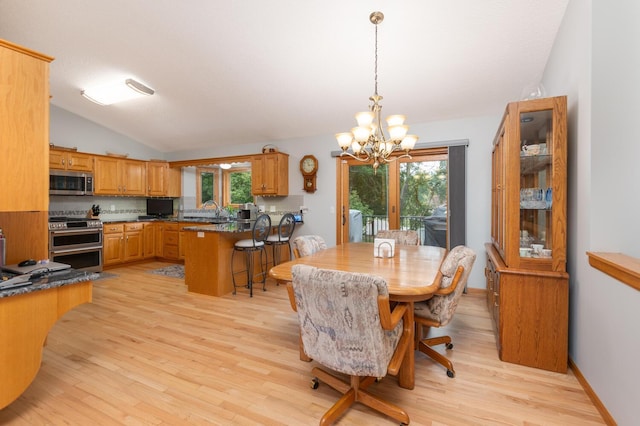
346	325
259	233
306	245
408	237
285	231
439	309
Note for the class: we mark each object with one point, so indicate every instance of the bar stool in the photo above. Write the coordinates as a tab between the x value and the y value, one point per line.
259	233
283	237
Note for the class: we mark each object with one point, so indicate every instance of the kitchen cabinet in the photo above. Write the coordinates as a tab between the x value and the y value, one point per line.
122	242
162	180
149	239
24	151
70	160
270	174
112	247
117	176
171	241
527	282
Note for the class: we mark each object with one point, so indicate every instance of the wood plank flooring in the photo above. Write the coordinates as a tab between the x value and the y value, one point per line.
147	352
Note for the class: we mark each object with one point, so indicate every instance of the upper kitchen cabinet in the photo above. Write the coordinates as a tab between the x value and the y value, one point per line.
270	174
118	176
162	180
24	129
70	160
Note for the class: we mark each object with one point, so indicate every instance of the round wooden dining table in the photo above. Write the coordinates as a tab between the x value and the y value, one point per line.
412	275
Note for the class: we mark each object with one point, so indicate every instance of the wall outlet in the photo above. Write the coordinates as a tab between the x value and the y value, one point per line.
113	208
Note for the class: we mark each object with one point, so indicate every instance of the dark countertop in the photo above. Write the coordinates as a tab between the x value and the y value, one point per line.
174	219
51	280
232	227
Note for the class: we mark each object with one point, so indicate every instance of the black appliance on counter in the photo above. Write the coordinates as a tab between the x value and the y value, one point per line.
76	242
247	212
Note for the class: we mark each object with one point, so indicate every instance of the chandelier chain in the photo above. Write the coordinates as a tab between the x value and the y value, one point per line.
375	91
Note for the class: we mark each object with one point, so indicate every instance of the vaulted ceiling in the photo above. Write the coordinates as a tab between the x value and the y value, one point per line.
255	70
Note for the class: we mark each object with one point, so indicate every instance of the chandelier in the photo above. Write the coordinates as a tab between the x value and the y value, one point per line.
367	140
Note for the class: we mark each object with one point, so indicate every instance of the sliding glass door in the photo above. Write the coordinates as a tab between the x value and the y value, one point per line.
404	194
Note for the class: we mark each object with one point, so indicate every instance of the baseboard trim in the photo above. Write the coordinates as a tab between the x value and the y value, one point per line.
606	416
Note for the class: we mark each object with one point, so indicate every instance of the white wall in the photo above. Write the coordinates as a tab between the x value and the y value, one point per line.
596	62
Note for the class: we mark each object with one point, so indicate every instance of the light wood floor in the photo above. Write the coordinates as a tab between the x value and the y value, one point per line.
147	352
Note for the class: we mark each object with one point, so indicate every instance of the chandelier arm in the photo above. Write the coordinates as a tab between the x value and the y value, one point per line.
363	160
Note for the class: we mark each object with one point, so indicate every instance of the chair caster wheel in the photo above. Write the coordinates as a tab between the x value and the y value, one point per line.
449	345
315	383
451	374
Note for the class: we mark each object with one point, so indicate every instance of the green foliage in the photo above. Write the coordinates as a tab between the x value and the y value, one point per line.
370	188
356	203
423	186
240	187
206	186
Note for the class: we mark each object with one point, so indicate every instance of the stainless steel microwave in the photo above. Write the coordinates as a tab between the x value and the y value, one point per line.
66	182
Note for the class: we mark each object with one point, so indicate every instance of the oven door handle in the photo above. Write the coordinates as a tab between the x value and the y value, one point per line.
76	231
77	250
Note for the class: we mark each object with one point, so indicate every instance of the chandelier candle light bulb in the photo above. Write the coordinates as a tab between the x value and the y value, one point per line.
367	141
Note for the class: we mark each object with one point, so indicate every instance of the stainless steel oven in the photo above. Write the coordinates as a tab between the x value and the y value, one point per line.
76	242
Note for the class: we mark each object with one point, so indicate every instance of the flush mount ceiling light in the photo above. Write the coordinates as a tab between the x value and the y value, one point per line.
368	141
118	91
225	166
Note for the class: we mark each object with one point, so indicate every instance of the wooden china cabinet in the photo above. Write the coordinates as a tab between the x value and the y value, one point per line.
527	282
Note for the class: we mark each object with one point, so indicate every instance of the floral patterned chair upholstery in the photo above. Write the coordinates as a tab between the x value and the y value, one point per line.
346	324
439	310
407	237
306	245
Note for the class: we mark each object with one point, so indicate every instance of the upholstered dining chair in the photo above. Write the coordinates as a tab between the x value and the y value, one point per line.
259	233
346	324
285	231
438	311
407	237
306	245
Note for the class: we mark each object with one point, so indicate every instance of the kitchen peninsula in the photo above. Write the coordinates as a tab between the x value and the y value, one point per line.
26	316
207	264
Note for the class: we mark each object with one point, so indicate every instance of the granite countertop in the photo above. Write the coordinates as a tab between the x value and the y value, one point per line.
208	220
231	227
51	280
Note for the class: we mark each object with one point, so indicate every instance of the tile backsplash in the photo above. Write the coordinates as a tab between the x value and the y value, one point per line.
129	208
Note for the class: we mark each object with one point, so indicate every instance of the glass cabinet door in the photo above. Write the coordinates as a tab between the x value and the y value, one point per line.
536	193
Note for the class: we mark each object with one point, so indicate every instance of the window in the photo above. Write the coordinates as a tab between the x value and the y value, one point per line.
205	185
237	187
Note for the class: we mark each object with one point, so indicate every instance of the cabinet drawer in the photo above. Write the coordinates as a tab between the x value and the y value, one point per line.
171	226
137	226
113	228
171	238
171	252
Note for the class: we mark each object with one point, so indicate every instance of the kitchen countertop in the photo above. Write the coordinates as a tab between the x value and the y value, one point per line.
231	227
51	280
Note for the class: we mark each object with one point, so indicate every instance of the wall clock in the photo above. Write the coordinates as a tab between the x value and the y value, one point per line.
309	168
